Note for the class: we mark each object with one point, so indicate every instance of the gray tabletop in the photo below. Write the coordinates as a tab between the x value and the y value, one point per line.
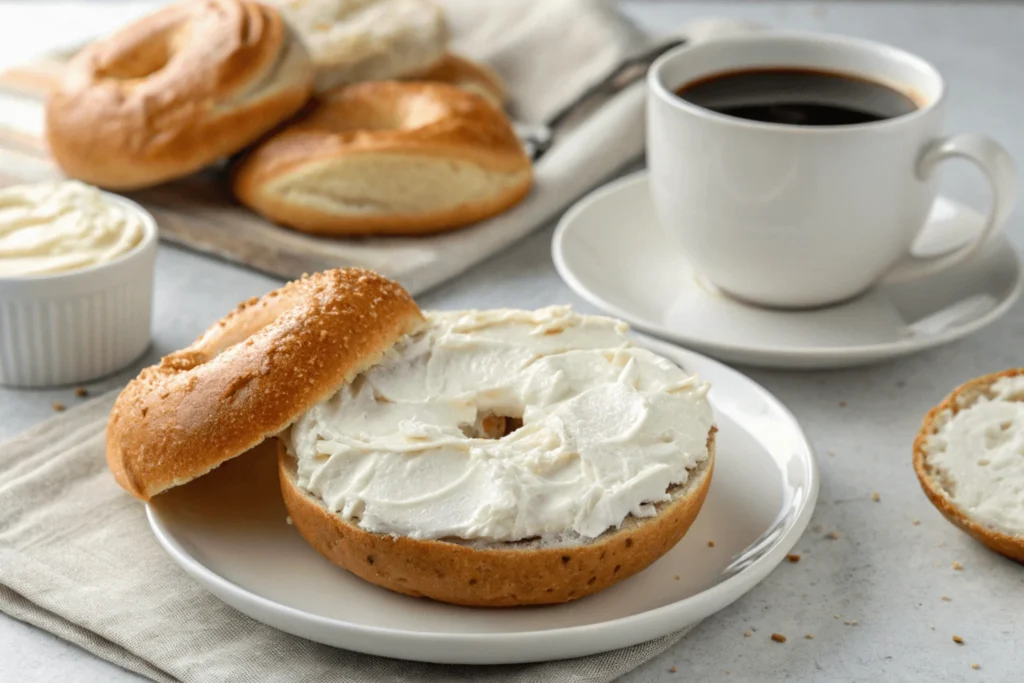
881	601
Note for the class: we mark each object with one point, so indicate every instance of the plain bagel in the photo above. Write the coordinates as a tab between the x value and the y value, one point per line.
176	91
251	375
388	157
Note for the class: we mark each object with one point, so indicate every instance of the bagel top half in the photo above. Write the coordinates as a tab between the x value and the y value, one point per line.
176	91
251	375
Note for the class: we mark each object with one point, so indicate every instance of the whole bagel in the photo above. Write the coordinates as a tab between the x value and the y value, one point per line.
387	157
251	375
176	91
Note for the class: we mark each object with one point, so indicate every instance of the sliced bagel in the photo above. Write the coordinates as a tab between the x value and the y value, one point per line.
969	456
499	574
251	375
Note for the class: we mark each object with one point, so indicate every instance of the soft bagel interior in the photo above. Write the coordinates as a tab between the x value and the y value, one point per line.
529	572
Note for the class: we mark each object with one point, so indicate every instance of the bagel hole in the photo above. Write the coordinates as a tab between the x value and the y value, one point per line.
492	425
141	60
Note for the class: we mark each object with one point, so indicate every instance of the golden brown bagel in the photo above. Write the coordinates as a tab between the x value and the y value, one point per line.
940	487
466	74
251	374
387	157
501	574
176	91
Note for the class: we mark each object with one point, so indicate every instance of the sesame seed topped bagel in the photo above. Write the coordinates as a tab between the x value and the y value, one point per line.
387	157
176	91
251	375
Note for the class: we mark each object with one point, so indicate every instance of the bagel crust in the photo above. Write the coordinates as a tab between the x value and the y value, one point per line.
176	91
387	158
251	375
466	74
932	481
501	574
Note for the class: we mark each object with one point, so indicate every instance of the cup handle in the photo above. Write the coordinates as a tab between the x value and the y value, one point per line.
997	165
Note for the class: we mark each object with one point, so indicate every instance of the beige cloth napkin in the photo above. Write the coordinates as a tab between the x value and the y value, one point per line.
77	559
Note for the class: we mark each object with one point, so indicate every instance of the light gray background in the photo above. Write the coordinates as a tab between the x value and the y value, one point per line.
884	575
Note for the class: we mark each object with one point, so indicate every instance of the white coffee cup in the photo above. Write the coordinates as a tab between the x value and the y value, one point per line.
801	216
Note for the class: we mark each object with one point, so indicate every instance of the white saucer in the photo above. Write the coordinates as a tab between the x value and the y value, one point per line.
610	249
228	531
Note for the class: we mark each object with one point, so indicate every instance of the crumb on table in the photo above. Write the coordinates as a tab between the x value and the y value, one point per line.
875	497
957	566
958	640
672	670
711	544
747	634
81	392
946	598
778	638
975	666
58	406
793	557
809	637
832	535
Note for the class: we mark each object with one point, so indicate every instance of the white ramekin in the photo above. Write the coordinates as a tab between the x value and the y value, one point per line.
73	327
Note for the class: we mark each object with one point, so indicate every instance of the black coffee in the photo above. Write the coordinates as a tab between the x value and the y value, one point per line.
797	97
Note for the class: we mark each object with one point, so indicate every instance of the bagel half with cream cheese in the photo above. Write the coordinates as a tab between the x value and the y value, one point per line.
969	458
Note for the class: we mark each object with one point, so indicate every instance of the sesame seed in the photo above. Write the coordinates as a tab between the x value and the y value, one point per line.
711	544
809	637
58	406
747	634
975	666
917	522
778	638
958	640
793	557
672	670
81	392
832	535
875	497
946	598
957	566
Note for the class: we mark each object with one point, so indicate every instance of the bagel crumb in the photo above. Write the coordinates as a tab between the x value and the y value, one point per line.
747	634
672	670
778	638
957	566
917	522
975	666
58	406
793	557
946	598
81	392
809	637
677	577
958	640
711	544
832	535
875	497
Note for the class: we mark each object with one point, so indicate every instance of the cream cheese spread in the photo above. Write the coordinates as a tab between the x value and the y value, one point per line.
981	449
59	227
607	428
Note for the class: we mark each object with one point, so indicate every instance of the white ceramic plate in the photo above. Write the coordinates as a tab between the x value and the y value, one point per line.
228	531
611	251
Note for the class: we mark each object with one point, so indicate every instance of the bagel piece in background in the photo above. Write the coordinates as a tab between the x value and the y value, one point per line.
969	458
176	91
351	41
468	75
605	448
388	157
